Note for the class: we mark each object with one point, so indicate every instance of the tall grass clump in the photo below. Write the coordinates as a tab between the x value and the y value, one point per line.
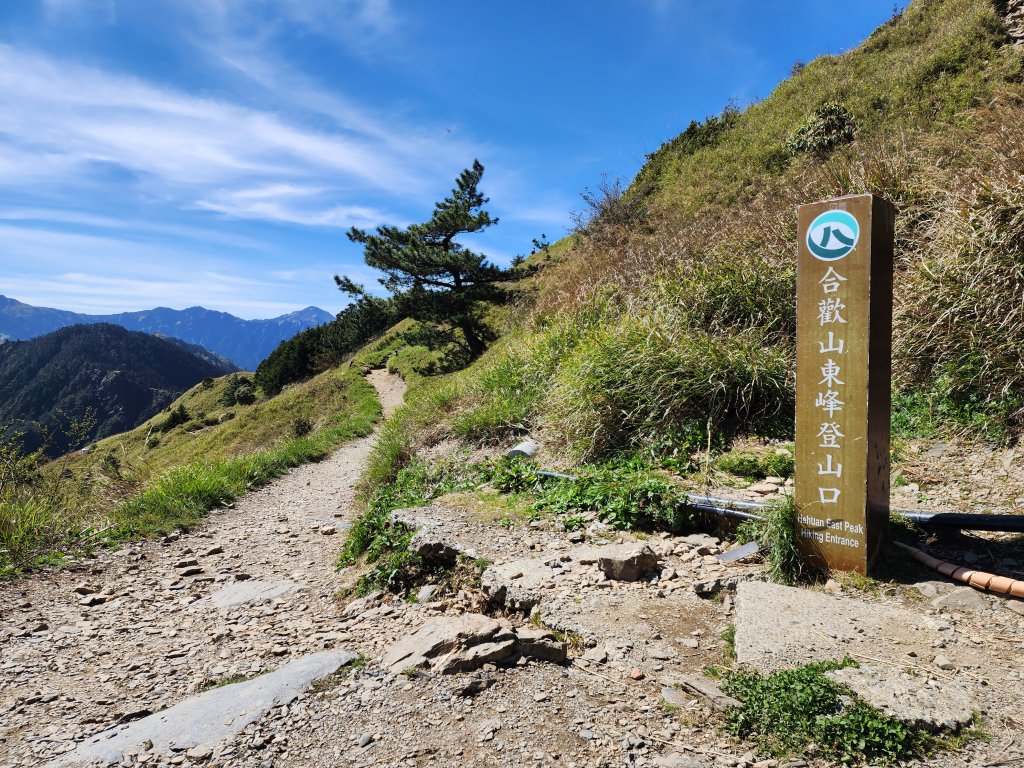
776	533
962	329
43	510
635	381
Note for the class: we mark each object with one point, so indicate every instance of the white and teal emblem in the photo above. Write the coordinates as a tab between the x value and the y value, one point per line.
832	235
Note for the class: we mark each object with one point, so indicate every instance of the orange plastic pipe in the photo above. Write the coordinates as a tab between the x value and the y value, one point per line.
980	580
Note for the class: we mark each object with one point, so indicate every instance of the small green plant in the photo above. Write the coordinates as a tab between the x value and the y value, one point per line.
831	126
230	680
786	711
574	522
754	465
301	427
332	680
728	638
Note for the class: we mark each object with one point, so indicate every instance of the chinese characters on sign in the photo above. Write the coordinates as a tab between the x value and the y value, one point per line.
844	307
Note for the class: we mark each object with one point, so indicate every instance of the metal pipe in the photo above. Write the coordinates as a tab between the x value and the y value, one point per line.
965	521
745	510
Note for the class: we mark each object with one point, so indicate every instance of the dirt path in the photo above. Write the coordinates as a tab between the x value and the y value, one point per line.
69	668
256	588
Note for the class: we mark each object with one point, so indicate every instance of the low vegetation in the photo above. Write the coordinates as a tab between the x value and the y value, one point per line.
802	712
167	473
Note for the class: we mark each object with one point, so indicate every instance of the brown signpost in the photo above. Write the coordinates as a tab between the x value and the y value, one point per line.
843	379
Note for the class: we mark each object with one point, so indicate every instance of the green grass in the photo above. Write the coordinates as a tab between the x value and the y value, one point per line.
786	712
753	465
88	500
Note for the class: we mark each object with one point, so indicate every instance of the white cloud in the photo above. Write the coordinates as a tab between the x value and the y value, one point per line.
74	125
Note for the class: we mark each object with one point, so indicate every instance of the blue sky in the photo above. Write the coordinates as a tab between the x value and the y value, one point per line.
213	152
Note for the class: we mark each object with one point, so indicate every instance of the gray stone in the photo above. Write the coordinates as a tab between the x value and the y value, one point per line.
1016	606
598	655
676	760
779	626
426	593
449	644
540	644
943	662
211	717
431	541
675	697
365	739
916	700
711	587
252	591
517	584
627	562
933	588
962	599
706	688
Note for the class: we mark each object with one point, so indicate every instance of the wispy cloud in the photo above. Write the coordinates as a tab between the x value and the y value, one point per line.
77	125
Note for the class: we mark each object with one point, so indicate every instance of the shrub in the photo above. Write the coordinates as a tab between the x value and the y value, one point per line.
961	330
629	383
176	417
239	390
753	465
831	126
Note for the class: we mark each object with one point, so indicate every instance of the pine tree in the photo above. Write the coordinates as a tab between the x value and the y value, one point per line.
434	278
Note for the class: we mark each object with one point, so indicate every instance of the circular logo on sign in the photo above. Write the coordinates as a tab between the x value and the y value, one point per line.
832	235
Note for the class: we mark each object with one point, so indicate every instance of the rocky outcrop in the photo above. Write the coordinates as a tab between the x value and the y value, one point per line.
627	562
450	644
432	541
1012	12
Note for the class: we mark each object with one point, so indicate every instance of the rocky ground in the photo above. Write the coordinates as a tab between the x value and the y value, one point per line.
157	626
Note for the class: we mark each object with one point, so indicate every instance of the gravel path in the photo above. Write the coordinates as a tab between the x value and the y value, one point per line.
134	631
140	630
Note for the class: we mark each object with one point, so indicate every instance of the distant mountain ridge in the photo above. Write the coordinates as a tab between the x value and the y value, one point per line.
244	342
122	377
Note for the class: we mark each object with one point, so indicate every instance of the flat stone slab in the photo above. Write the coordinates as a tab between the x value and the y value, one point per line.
779	627
913	699
449	644
962	599
242	592
517	584
209	718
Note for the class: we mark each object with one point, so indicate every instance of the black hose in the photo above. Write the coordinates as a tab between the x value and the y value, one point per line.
745	510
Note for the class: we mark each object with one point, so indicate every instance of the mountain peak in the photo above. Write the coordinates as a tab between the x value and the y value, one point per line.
244	342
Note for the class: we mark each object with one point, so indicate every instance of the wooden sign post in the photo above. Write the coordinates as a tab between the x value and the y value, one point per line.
843	379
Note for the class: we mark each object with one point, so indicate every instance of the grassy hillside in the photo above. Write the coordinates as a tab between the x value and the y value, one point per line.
214	429
217	441
678	335
684	318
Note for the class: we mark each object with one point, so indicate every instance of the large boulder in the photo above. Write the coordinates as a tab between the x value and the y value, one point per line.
627	562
